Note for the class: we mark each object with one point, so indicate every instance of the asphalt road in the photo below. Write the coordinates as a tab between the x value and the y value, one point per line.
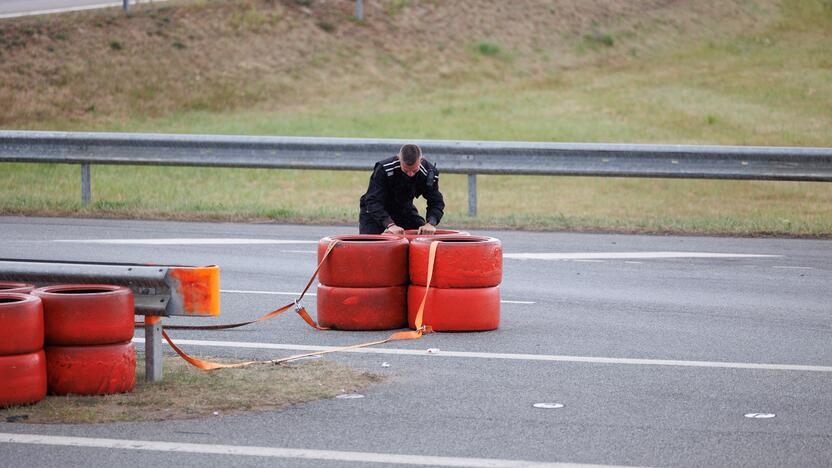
653	356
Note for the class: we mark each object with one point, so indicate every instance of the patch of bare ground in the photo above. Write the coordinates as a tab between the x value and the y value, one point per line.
186	392
102	66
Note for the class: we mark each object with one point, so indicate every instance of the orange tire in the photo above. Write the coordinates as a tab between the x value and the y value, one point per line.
469	309
86	314
23	288
364	261
461	262
21	324
23	378
362	308
91	370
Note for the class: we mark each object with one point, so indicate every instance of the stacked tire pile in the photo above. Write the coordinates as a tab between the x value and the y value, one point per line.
363	282
464	293
88	330
22	360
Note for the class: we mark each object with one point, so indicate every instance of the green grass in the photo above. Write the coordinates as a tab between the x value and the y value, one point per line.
186	392
771	86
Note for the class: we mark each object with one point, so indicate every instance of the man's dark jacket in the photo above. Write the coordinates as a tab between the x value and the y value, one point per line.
389	197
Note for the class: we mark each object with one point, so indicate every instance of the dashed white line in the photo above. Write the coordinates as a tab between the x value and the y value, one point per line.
295	294
267	293
625	255
792	267
269	452
509	356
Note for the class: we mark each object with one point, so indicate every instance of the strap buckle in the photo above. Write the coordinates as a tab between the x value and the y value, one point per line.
298	305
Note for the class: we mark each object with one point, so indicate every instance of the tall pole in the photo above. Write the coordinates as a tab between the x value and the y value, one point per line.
359	10
126	5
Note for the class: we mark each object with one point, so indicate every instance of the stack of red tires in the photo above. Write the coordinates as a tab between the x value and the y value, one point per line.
464	293
22	360
363	282
88	333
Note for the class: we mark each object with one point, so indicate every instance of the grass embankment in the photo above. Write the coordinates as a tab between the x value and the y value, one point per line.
735	72
186	392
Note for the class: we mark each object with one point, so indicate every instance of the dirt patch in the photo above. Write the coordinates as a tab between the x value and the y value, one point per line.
186	392
104	66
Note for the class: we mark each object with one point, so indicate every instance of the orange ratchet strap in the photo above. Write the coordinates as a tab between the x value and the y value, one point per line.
298	308
404	335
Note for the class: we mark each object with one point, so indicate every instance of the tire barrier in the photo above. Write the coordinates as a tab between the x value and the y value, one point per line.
21	324
364	261
23	288
91	370
461	262
362	308
464	293
467	309
86	314
23	378
363	282
88	329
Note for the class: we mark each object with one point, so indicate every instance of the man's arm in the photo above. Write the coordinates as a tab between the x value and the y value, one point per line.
376	195
435	201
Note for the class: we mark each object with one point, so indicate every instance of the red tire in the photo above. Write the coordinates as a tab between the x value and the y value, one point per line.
23	288
362	308
461	262
21	324
364	261
86	314
91	370
472	309
23	378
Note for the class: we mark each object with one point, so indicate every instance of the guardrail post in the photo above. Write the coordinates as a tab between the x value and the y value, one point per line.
153	348
472	195
126	6
359	10
86	191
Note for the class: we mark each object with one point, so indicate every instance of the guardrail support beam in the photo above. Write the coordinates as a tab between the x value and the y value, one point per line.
359	10
86	189
472	195
153	348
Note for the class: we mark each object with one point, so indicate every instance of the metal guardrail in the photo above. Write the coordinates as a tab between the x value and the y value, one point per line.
158	290
463	157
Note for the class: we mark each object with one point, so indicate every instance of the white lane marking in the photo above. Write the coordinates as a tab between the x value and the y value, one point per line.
301	251
270	452
75	8
194	241
625	255
283	293
510	356
268	293
793	267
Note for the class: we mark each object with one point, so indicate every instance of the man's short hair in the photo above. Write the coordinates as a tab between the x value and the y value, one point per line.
410	154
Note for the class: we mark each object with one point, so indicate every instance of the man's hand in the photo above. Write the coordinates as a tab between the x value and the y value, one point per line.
397	230
428	229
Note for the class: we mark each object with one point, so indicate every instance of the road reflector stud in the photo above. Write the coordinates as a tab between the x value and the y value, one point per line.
548	405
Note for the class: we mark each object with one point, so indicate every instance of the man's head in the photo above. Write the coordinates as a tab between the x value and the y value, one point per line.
410	157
